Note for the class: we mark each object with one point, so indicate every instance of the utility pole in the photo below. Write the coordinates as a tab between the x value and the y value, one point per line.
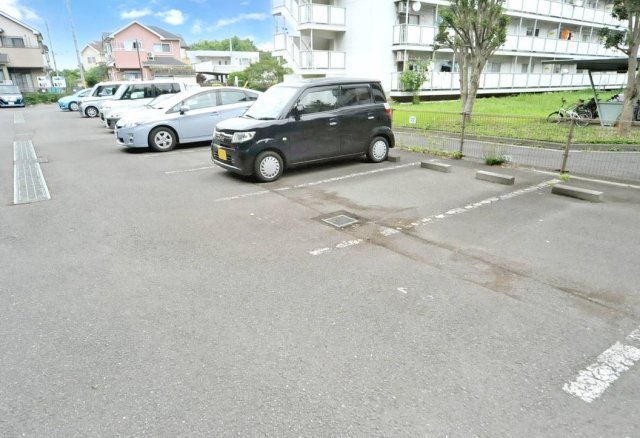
53	54
75	43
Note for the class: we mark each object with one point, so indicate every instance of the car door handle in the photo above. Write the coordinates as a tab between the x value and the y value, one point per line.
371	117
333	123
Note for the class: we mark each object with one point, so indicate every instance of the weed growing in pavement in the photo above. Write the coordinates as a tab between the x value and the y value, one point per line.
565	176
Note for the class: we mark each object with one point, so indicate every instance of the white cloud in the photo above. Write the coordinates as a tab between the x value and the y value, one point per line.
196	27
172	16
223	22
15	9
266	46
135	13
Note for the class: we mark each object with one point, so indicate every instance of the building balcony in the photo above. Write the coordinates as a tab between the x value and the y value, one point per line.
305	61
442	82
20	57
580	10
417	37
312	16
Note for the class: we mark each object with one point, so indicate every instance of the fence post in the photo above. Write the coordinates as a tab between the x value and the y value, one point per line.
565	157
464	125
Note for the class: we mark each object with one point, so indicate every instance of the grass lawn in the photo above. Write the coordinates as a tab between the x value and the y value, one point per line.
526	104
511	117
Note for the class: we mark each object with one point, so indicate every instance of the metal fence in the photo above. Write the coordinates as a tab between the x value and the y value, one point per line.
564	147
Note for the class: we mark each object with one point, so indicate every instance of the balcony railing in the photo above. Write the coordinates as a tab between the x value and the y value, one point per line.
442	81
313	14
424	36
563	10
309	59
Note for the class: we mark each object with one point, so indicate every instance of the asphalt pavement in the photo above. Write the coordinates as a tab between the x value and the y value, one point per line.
155	294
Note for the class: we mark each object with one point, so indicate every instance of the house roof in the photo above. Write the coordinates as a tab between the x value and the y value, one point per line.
160	32
9	17
596	64
95	45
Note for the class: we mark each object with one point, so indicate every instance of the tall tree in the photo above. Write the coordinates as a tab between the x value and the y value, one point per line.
628	42
234	43
473	29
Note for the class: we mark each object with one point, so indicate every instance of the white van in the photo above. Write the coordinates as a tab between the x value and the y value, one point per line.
137	95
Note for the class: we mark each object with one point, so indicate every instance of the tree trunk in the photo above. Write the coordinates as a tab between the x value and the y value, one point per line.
630	92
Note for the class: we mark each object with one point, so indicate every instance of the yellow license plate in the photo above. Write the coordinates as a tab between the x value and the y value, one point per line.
222	154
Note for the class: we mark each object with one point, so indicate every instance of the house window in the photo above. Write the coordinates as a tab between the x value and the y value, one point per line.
162	48
136	45
91	59
12	42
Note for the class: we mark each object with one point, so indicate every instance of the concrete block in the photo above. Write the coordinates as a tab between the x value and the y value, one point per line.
393	158
440	167
497	178
577	192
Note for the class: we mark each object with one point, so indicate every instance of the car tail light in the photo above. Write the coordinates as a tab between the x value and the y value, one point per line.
388	110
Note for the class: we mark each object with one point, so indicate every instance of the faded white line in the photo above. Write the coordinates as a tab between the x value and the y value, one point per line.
195	169
403	290
341	245
594	380
165	154
315	183
387	231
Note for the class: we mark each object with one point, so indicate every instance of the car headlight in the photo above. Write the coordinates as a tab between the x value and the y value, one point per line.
113	116
241	137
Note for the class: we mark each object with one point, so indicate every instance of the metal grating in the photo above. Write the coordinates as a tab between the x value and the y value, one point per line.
341	220
28	182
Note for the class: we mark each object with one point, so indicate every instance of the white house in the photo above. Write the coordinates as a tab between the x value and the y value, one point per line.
376	38
217	64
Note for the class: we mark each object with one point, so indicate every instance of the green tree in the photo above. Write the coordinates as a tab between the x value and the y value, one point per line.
413	78
628	42
261	75
234	43
473	29
72	77
96	74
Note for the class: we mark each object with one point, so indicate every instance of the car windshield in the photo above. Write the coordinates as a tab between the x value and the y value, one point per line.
270	104
159	102
9	89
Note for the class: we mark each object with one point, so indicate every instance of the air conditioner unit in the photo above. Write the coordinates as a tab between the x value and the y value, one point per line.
150	56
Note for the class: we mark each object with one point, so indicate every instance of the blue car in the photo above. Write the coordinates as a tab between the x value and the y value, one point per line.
71	102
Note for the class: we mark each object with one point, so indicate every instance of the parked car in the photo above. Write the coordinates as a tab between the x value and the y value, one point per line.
70	103
89	105
139	93
111	117
303	122
10	95
188	117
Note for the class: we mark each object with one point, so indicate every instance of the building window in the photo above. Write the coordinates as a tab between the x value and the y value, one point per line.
12	42
493	67
91	59
136	45
524	68
533	32
413	19
162	48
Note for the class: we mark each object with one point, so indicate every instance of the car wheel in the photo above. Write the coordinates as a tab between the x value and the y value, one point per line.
73	106
91	111
378	150
162	139
268	166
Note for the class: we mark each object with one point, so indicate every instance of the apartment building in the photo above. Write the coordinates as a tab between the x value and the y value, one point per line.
23	56
377	38
138	51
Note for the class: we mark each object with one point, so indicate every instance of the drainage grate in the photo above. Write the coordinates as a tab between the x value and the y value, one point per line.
341	220
28	182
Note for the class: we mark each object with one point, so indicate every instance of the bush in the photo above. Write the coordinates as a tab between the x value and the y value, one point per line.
38	97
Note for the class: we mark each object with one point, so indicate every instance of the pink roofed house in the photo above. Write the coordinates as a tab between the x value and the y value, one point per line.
138	51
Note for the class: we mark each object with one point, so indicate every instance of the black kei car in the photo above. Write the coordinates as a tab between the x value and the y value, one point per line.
303	122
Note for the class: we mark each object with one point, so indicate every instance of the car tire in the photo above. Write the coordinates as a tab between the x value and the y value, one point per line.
162	139
268	166
378	150
73	106
91	111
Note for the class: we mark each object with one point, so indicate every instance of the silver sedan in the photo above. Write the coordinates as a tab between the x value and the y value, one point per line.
187	117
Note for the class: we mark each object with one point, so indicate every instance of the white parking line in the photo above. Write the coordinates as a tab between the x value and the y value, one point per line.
170	172
315	183
387	231
593	381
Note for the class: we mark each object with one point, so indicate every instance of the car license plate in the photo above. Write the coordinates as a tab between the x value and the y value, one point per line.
222	154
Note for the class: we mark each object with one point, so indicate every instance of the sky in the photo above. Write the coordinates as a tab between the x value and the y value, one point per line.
195	20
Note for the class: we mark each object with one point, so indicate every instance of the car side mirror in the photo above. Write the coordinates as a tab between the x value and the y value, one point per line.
184	109
297	111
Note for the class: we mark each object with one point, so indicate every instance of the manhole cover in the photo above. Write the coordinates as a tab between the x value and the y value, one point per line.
341	220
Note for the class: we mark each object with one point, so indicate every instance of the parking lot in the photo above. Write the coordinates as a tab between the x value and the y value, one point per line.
156	294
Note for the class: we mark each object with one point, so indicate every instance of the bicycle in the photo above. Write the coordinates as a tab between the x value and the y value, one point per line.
576	112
